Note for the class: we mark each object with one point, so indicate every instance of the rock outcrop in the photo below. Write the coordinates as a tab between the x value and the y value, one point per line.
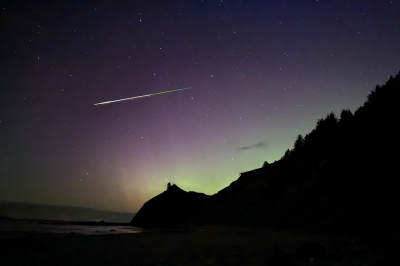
172	207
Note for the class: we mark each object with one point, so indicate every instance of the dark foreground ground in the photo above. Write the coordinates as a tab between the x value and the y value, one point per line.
203	246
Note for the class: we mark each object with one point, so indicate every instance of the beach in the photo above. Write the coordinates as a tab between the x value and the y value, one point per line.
194	246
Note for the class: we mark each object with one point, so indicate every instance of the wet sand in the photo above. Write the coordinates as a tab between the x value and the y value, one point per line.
200	246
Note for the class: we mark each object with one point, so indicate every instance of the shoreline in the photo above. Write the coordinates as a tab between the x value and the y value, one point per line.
197	246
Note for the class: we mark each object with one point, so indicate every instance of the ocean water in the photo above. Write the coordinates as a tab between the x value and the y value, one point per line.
61	213
25	228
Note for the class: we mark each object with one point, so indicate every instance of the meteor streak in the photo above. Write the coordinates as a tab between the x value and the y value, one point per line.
142	96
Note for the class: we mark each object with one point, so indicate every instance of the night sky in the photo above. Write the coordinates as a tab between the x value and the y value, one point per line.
261	73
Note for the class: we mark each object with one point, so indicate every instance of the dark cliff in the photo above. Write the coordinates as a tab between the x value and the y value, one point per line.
342	176
172	207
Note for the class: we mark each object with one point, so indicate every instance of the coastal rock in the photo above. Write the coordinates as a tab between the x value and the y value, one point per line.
172	207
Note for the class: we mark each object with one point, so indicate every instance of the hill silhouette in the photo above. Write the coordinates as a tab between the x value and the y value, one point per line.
172	207
342	176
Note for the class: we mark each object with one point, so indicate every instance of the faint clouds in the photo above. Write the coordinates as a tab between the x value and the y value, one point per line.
258	145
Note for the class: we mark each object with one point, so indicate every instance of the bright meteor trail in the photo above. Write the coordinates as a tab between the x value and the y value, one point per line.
142	96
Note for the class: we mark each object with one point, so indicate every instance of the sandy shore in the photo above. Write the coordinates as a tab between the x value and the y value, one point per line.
203	246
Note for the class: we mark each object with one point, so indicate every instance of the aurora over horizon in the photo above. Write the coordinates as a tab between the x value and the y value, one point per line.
262	72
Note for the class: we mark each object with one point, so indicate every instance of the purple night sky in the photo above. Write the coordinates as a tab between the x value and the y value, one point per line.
261	73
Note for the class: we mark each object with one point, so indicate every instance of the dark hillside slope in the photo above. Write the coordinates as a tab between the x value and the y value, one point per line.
172	207
342	176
